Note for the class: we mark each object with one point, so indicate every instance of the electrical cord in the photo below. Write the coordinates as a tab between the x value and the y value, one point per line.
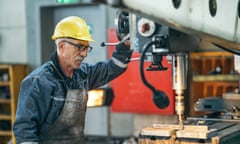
146	83
159	97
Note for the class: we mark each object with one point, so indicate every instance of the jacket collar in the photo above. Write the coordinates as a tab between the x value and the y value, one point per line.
54	59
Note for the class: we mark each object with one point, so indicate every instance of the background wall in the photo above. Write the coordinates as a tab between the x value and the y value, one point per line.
14	46
13	31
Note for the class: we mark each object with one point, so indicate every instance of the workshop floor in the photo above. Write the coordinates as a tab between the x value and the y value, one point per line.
97	140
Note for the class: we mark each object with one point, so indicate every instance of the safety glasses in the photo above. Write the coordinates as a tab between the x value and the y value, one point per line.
80	47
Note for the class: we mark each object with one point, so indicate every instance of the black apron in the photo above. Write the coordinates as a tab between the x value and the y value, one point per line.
69	126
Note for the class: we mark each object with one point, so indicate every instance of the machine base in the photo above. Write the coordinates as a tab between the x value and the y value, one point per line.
211	132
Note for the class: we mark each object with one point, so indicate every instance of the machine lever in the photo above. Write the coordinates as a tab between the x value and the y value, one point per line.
125	38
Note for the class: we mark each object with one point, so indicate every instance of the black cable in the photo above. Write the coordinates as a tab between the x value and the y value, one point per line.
159	97
145	48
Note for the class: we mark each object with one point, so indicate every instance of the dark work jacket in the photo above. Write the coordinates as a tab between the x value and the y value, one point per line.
42	92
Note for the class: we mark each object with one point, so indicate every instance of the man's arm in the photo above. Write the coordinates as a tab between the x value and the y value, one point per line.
29	111
103	72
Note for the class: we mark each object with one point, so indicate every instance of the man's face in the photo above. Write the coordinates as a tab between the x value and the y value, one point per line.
73	52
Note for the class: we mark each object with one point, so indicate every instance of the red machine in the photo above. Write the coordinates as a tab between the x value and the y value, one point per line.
130	94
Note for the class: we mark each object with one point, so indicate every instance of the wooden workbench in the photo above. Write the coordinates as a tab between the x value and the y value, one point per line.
213	133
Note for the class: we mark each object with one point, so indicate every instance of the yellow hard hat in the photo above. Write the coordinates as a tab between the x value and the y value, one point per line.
72	27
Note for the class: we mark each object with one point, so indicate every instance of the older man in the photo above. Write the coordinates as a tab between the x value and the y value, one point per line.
52	100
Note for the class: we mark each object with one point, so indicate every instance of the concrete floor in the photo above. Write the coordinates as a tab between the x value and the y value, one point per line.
99	140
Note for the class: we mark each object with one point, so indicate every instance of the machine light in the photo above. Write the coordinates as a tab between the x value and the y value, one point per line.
100	97
68	1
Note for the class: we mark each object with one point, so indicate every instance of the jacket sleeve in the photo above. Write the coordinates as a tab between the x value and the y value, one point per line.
30	110
103	72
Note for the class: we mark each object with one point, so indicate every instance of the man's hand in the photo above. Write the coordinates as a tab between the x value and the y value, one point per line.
127	43
122	52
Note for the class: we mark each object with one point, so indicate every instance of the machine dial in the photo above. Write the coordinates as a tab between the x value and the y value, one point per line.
146	27
122	24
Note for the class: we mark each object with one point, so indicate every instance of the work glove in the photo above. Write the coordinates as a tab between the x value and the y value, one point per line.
123	52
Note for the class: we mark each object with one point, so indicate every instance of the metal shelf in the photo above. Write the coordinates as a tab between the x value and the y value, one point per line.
16	73
5	133
5	101
5	117
222	77
4	83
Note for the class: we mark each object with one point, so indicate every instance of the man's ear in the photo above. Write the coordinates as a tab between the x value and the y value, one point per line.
60	45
